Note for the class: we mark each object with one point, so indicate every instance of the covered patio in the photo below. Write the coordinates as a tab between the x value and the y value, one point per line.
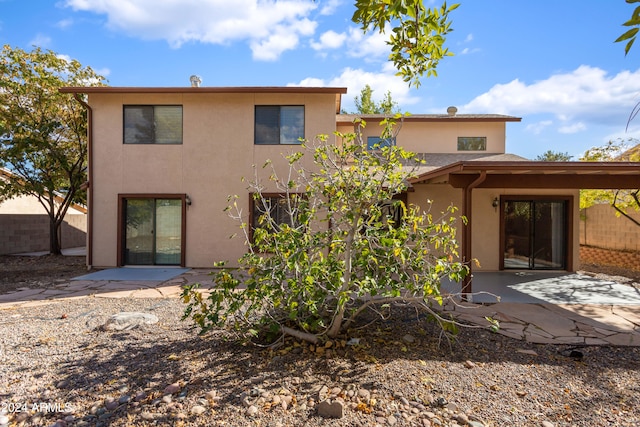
469	175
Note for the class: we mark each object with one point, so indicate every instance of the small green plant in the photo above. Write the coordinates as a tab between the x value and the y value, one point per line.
337	244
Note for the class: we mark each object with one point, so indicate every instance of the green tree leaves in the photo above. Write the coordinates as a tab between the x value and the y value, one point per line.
417	33
621	200
554	156
366	105
630	35
43	133
347	246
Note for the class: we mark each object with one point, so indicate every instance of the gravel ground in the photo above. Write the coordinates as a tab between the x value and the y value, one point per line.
59	367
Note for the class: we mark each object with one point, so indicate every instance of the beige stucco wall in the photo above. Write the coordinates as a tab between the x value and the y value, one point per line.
438	137
217	152
28	205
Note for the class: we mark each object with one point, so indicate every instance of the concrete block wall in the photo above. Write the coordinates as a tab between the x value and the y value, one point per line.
601	228
74	231
30	233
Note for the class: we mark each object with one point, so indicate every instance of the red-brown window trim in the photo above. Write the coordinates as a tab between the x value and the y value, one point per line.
120	233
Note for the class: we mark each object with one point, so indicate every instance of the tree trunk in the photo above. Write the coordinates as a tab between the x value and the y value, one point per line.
54	241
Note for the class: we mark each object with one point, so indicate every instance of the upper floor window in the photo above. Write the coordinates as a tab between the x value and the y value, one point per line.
376	143
153	124
275	124
472	143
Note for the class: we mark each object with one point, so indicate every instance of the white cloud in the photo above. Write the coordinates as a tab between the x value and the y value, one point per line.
271	27
370	46
329	6
572	128
467	51
585	95
41	40
280	40
64	23
355	79
537	128
329	40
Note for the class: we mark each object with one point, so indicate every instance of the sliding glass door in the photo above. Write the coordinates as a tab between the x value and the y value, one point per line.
152	231
535	234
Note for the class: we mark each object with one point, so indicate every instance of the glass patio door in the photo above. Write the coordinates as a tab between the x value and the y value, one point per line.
535	234
152	231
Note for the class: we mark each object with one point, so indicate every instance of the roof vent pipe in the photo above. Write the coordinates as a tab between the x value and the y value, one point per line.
195	81
452	111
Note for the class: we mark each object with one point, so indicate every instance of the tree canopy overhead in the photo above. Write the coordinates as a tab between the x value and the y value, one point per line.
43	133
417	33
634	22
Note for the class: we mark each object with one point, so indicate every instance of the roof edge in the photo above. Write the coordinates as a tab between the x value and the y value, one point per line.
632	168
349	118
206	89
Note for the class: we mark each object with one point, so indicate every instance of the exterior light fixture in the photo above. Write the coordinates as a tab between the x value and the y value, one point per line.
495	203
187	199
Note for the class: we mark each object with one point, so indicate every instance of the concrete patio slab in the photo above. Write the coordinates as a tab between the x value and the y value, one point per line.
545	308
135	274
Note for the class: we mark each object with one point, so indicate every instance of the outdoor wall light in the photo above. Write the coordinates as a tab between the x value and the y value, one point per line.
495	203
187	199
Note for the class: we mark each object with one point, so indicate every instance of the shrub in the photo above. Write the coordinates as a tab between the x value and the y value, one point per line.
334	245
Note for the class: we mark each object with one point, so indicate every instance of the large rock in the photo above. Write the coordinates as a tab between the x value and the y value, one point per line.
329	409
129	320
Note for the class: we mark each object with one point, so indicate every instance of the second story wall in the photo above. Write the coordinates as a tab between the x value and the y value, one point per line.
217	151
439	134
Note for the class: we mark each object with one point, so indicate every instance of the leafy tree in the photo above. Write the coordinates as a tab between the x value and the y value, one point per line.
366	105
417	34
388	105
43	133
554	156
623	201
342	250
630	35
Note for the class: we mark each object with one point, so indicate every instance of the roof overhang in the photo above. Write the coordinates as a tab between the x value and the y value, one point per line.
535	174
338	91
346	119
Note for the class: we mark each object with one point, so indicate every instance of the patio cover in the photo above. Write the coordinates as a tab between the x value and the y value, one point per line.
469	174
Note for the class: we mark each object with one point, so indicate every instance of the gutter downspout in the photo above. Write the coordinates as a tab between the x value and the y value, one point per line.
76	95
466	235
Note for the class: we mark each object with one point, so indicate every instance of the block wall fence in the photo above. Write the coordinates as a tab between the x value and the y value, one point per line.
30	233
608	239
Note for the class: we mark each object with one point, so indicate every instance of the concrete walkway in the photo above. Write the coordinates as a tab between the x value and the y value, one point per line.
552	308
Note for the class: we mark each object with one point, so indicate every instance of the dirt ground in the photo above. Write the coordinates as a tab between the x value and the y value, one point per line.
38	271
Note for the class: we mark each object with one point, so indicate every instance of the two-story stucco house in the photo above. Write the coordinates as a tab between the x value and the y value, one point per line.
164	160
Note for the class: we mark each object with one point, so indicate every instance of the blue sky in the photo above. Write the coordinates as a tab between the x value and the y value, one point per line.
551	62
